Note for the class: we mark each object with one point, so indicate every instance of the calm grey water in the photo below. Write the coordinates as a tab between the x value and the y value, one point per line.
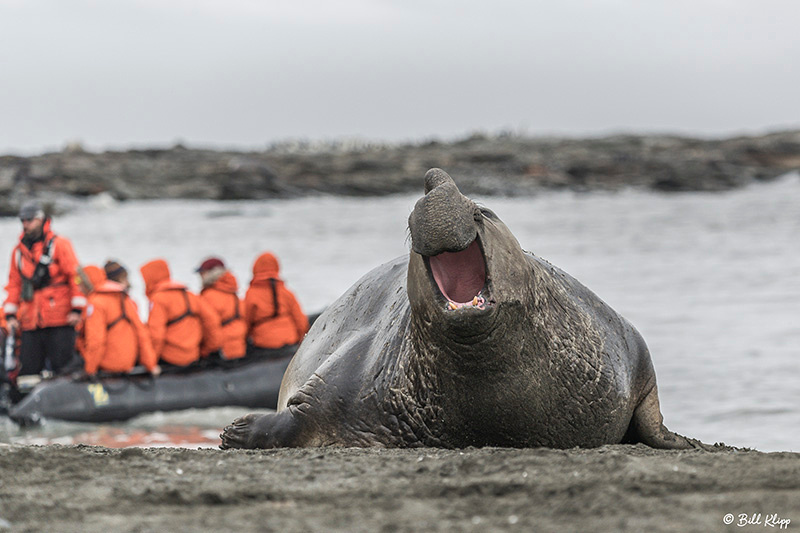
712	281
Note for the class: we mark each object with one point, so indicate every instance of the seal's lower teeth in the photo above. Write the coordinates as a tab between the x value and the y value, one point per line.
477	301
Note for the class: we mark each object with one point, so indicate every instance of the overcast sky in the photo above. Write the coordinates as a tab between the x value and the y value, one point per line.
245	73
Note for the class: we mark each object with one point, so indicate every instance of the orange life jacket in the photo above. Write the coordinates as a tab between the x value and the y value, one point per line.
57	293
113	337
182	326
221	296
273	314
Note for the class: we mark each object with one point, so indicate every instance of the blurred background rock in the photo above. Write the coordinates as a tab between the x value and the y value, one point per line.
502	164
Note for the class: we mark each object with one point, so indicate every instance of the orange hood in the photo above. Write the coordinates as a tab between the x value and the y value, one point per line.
265	267
154	273
96	276
226	283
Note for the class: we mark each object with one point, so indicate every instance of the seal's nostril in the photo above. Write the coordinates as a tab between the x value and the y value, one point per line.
435	177
443	220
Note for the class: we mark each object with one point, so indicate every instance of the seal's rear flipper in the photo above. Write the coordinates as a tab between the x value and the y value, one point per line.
647	427
274	430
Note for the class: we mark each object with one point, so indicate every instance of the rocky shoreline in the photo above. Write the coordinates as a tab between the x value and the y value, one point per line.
485	165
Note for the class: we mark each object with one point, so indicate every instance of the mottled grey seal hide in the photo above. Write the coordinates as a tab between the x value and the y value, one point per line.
468	341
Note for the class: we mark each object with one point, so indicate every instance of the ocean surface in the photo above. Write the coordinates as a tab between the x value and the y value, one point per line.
711	280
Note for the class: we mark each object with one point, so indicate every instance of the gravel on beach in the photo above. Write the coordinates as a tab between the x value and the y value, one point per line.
612	488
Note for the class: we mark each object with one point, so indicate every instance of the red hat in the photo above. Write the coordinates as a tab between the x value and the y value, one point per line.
208	264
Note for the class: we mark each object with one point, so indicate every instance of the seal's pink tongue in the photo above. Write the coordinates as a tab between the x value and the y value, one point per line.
459	275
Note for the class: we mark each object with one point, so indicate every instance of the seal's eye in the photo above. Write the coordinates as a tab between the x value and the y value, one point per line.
482	213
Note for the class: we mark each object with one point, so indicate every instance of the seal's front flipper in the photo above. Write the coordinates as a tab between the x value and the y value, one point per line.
647	426
274	430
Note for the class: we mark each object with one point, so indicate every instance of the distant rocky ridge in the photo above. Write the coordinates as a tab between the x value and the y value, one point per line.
485	165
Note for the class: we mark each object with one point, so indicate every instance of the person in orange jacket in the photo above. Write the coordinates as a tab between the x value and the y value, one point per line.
273	314
44	301
113	336
219	291
182	326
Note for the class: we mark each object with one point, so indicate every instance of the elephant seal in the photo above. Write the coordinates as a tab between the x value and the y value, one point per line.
468	341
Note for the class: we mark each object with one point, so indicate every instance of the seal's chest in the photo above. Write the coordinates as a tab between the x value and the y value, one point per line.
539	408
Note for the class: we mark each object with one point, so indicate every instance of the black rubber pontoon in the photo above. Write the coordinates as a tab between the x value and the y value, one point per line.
247	383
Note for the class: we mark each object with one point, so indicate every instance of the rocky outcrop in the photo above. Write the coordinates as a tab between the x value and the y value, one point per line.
486	165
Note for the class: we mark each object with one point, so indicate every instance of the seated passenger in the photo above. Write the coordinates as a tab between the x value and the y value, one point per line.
219	291
113	336
182	326
274	317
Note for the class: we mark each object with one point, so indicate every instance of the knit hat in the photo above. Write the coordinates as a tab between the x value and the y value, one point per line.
210	263
114	270
31	210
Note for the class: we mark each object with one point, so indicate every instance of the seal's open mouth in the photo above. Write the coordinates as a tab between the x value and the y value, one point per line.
460	276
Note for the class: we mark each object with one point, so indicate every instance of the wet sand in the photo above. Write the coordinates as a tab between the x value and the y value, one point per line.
613	488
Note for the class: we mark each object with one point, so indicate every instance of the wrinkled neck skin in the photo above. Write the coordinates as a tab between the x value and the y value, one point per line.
464	362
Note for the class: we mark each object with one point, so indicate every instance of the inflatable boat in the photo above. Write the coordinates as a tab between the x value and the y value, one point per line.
253	381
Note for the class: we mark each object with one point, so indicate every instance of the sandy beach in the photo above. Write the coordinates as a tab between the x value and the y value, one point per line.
613	488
